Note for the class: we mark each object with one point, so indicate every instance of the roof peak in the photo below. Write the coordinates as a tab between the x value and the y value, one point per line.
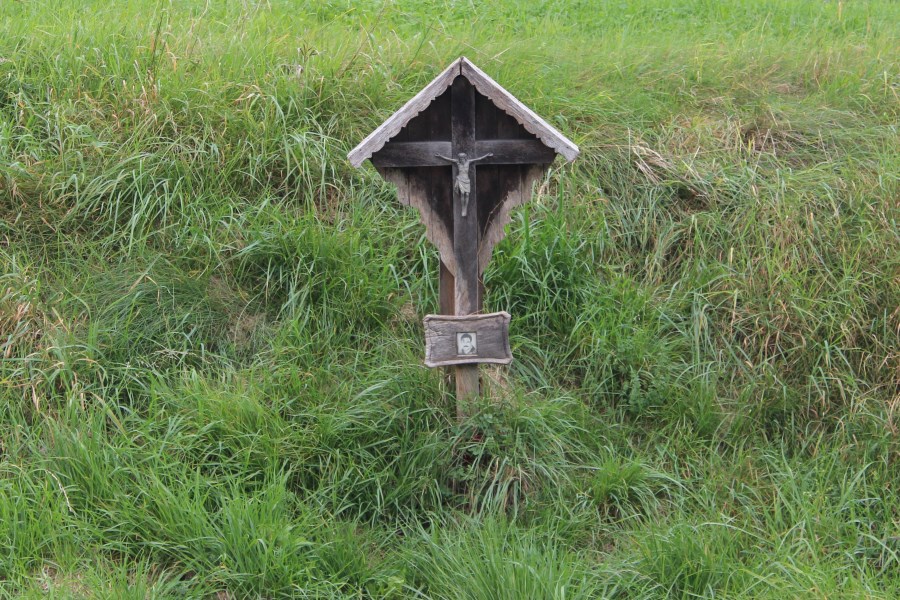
487	87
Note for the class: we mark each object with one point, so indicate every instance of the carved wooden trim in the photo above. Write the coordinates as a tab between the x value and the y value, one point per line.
496	229
410	193
392	126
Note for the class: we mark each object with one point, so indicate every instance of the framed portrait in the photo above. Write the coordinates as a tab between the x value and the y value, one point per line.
467	343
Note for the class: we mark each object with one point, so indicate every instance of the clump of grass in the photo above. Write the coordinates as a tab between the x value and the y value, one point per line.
511	563
32	513
22	321
507	452
623	489
693	560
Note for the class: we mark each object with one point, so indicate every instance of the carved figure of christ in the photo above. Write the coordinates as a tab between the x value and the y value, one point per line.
463	184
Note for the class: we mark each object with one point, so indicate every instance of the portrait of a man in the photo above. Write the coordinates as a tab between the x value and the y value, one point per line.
466	344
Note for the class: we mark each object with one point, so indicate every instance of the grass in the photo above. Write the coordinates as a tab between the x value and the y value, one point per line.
210	340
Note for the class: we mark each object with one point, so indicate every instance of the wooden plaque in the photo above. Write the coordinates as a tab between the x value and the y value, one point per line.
469	339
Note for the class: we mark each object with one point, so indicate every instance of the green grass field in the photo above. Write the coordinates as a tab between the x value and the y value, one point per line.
210	324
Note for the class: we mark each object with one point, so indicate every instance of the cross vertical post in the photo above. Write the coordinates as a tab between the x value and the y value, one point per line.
446	294
467	291
446	291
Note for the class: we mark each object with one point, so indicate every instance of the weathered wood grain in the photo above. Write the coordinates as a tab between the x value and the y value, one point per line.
514	152
412	154
413	190
446	292
491	332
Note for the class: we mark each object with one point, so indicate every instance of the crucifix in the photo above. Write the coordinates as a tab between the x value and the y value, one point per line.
464	202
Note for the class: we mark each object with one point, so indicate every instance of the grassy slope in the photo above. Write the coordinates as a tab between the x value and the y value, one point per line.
210	325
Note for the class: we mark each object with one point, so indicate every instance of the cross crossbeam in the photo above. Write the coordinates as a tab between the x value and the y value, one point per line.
425	154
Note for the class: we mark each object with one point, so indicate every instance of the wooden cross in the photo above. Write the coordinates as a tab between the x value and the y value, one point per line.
463	119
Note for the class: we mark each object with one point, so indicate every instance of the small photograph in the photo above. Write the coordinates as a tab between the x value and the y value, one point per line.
466	344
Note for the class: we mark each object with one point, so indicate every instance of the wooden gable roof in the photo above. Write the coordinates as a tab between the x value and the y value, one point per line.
487	87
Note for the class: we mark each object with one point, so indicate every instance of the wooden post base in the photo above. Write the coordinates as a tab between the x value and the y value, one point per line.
467	388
